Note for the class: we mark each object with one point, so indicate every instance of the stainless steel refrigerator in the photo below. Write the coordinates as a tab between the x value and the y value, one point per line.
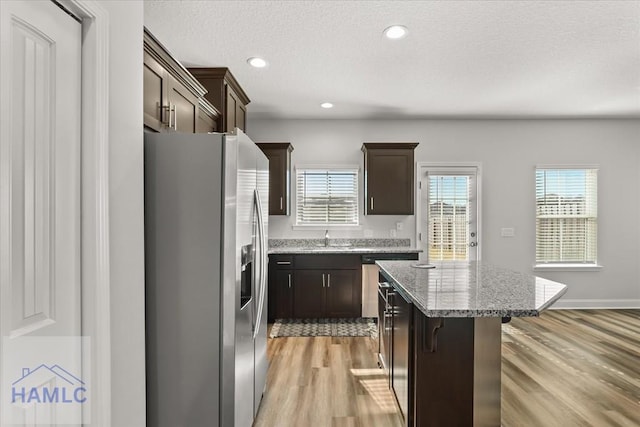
206	211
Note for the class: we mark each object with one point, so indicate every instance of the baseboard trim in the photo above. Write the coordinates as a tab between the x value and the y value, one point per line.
564	304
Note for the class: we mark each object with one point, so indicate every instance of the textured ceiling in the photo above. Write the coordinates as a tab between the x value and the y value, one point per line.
460	59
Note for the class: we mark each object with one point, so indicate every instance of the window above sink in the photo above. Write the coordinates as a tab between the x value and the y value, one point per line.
327	196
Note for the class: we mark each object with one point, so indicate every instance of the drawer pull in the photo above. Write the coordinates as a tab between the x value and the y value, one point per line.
283	262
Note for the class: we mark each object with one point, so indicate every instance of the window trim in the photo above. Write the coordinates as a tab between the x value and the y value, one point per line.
566	266
324	226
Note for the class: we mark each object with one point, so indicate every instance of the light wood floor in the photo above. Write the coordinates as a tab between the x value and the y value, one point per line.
566	368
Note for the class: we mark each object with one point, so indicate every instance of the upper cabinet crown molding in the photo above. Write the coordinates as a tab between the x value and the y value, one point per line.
208	107
222	73
389	178
389	145
160	53
173	100
225	93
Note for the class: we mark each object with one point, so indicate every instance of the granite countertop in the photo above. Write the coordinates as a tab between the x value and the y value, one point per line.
340	246
472	289
296	250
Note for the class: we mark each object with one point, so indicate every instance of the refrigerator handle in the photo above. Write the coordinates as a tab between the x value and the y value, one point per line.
261	236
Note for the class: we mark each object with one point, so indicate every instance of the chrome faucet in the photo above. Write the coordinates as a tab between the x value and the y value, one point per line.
326	237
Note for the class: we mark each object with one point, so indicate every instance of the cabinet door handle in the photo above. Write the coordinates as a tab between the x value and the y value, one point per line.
323	280
328	280
175	117
372	203
283	262
280	202
289	280
165	113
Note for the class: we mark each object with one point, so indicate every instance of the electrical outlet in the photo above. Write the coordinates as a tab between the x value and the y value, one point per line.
392	232
399	226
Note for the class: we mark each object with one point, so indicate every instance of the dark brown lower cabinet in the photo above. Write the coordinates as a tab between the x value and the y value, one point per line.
309	294
326	293
314	286
280	287
283	304
342	293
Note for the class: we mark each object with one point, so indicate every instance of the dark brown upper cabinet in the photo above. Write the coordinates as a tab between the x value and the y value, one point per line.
389	178
225	93
279	155
207	120
173	98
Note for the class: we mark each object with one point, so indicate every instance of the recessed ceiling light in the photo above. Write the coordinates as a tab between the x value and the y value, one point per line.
257	62
326	105
395	32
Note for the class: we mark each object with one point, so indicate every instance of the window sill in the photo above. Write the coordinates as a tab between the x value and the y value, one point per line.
567	267
326	227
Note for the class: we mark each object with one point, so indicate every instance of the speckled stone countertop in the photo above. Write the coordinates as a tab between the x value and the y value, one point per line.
340	246
471	289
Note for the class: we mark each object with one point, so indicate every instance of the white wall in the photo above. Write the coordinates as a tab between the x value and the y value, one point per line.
508	151
126	213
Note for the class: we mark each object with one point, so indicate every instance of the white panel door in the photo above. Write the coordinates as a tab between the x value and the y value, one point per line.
40	203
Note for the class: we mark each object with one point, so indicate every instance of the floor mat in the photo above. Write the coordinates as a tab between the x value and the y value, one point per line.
356	327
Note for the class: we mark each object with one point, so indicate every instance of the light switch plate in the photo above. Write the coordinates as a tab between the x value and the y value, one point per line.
508	232
399	226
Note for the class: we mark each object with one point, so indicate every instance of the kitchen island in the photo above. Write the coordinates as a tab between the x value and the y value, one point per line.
447	335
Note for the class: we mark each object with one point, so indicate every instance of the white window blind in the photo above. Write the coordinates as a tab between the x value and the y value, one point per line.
449	217
326	196
566	216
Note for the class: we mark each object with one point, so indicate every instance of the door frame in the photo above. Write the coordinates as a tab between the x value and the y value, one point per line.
444	165
95	264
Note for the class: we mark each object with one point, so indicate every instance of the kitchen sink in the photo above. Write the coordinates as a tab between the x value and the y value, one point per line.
334	245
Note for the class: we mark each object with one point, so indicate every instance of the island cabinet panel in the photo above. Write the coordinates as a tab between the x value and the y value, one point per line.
402	351
279	155
456	371
389	178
